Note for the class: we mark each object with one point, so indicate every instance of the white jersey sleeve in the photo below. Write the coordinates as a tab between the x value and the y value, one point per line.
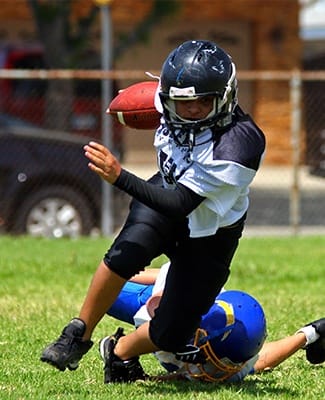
142	315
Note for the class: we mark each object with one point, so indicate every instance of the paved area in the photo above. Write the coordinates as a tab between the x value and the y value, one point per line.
267	176
277	206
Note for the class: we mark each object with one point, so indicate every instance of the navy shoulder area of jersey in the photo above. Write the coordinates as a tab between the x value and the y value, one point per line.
243	143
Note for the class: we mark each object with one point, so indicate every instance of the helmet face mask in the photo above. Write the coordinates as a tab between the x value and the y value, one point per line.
215	369
196	69
179	121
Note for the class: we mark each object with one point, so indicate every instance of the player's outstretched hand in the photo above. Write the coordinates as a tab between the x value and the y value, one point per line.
102	161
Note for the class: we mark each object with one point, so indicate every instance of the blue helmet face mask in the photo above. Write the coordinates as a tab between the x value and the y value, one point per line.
196	69
232	332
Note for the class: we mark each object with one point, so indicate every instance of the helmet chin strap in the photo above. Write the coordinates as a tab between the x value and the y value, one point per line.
191	140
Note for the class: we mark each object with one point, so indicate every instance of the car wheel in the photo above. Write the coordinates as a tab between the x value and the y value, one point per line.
54	212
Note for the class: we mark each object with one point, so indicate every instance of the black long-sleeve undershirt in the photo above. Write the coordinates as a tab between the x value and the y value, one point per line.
177	202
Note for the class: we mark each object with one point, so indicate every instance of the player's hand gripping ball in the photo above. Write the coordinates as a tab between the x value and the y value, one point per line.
134	106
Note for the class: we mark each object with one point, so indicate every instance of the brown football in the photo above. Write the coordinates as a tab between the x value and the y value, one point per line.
134	106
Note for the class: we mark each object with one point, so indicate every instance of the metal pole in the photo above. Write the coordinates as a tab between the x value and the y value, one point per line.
107	219
295	95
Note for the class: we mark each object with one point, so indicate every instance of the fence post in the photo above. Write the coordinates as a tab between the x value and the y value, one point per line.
107	208
295	99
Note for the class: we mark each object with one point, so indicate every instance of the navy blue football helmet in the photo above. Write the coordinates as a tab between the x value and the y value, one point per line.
195	69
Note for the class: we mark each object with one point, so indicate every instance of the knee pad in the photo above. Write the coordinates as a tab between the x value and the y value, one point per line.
127	259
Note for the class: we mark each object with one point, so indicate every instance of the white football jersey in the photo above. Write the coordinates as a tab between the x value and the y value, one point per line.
219	168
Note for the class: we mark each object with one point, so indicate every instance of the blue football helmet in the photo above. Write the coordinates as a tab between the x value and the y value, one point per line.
232	332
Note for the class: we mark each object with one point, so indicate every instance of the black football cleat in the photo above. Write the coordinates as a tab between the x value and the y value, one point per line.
115	369
315	352
69	348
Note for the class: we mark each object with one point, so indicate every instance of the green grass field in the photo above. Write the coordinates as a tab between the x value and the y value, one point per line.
42	285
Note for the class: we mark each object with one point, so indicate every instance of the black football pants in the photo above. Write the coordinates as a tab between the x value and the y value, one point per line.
199	269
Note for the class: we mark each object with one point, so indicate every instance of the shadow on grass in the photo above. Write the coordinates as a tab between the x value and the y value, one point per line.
261	386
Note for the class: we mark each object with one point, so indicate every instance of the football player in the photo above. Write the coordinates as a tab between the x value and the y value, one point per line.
193	210
230	339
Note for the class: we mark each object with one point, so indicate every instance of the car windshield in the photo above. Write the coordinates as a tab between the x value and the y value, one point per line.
7	121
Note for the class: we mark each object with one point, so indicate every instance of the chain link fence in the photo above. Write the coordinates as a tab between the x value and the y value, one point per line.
47	115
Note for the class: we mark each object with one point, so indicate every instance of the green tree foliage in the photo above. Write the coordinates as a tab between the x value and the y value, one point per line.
65	43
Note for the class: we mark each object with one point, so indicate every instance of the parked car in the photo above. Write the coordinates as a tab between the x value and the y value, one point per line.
46	188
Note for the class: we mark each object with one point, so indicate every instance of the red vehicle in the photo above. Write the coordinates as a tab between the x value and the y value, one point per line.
26	98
